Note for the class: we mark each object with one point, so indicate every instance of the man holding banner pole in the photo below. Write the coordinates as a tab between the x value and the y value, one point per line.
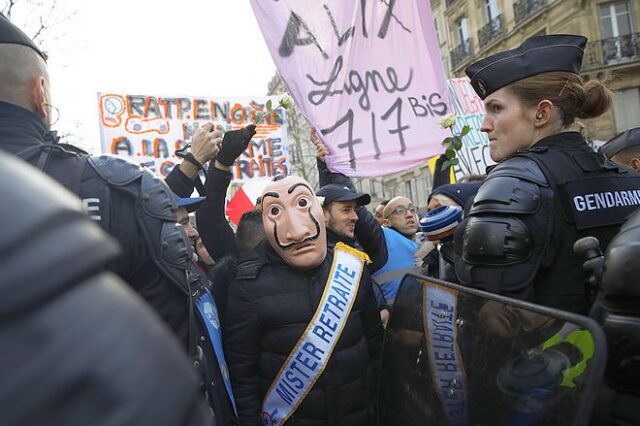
302	335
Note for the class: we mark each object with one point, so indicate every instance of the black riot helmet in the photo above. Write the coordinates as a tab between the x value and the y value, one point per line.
621	303
621	294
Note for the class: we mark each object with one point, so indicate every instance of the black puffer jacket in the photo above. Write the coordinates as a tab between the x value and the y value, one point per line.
269	307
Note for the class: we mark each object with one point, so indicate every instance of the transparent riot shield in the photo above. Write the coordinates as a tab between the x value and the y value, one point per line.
458	356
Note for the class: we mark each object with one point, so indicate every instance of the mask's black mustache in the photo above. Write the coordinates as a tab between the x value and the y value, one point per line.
306	240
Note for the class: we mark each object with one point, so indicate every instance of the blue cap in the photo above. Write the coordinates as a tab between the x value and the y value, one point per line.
191	204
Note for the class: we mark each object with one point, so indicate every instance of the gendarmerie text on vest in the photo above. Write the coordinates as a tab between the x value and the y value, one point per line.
606	200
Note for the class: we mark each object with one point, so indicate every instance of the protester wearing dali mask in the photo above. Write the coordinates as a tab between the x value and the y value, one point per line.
303	334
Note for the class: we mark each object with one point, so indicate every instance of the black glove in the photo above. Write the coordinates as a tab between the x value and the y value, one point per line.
234	143
440	177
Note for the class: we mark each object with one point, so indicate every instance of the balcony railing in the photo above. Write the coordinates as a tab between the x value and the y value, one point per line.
525	8
462	52
490	32
612	51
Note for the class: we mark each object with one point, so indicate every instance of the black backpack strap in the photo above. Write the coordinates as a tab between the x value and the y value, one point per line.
68	172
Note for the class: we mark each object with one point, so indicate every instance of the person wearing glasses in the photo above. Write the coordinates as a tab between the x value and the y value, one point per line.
399	228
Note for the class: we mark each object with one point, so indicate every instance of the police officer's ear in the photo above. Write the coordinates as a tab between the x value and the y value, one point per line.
39	101
545	113
635	164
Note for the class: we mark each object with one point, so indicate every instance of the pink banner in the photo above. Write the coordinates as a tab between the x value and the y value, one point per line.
366	74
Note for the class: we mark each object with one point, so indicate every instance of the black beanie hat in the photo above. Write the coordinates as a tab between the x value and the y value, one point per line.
461	193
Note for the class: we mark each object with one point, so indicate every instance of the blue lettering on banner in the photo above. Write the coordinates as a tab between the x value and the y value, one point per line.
286	395
346	271
311	354
304	367
344	294
209	313
446	367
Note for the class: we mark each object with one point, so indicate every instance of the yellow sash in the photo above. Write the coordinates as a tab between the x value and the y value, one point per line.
310	355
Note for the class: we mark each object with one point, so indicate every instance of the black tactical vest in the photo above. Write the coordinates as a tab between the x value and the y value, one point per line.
591	196
128	201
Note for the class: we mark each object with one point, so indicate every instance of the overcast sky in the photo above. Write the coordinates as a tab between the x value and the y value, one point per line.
190	48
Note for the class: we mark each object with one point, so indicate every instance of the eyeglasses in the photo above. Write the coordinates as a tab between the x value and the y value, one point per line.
400	210
53	112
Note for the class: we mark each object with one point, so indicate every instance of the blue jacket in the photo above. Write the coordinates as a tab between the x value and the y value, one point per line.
389	276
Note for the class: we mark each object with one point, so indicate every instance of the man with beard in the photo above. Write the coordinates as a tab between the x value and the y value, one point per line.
339	205
391	247
302	335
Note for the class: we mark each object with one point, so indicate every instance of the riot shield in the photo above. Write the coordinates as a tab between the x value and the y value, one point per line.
459	356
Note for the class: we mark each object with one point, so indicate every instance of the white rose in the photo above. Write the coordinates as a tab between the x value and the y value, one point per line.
448	121
286	102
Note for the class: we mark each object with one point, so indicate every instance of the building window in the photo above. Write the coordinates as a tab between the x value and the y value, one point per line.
464	50
618	43
492	9
492	30
408	189
377	188
463	30
626	104
615	19
437	27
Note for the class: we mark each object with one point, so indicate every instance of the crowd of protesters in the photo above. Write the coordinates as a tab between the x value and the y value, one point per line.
133	315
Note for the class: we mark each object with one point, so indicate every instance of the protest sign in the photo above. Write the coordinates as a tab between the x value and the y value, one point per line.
149	129
469	109
367	75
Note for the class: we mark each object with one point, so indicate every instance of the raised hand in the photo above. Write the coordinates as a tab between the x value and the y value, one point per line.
205	143
234	143
321	149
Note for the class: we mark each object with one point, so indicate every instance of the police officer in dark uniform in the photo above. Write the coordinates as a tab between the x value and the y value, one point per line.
624	149
548	188
78	346
620	318
129	202
206	342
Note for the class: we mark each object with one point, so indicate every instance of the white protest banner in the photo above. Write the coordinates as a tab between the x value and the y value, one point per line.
366	74
149	129
469	109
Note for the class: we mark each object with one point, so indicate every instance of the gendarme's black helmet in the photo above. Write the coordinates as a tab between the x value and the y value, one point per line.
619	281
